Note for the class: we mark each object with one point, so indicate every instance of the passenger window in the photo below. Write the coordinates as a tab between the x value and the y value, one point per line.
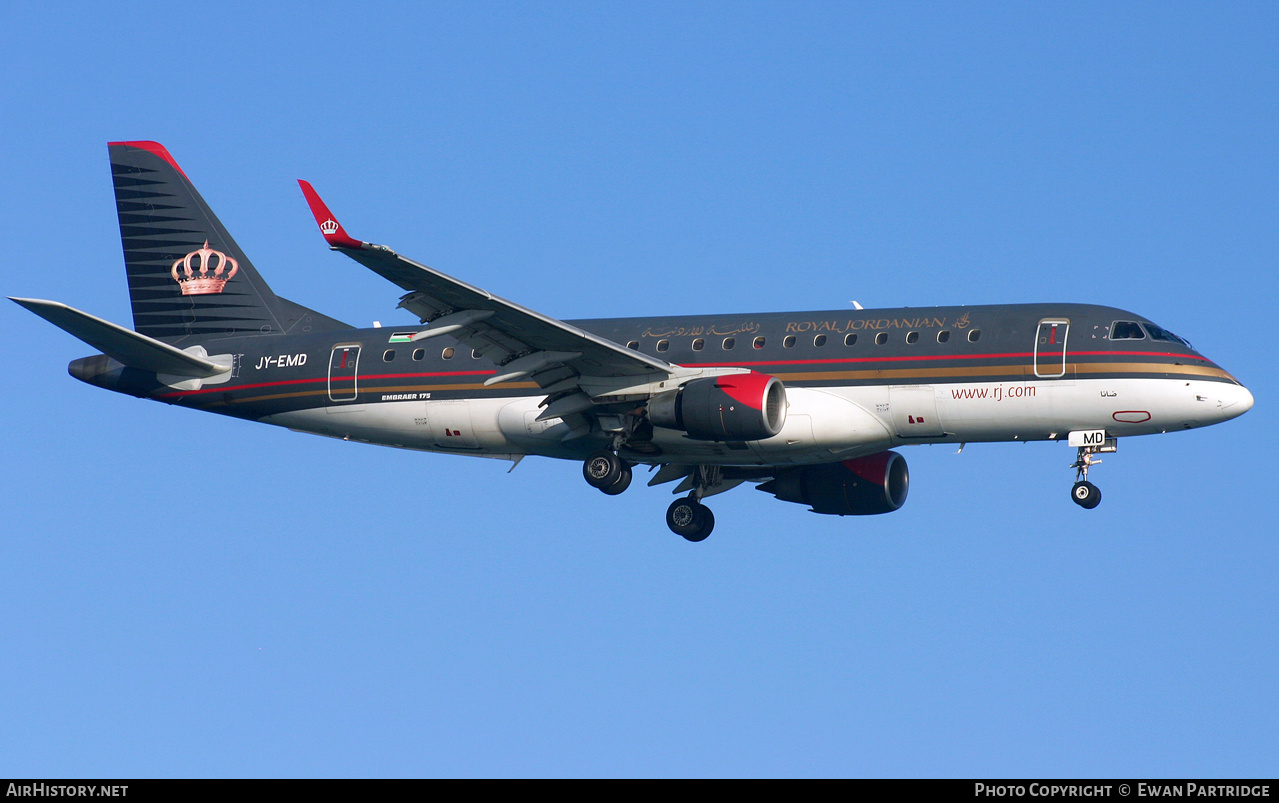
943	336
881	338
757	343
974	336
418	354
788	342
388	355
475	354
912	337
663	345
729	343
1126	330
820	340
850	340
447	353
633	345
699	344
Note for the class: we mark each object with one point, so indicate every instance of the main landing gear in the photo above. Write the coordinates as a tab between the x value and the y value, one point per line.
690	518
686	517
608	472
1084	493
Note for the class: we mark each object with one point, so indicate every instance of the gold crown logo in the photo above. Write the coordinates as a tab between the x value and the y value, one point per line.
209	279
329	226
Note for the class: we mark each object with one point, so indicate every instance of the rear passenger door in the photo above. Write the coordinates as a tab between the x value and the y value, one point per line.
343	363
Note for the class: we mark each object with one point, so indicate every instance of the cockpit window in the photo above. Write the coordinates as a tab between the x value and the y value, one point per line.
1163	334
1126	330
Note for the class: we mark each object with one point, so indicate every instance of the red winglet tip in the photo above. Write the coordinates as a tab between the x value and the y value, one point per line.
155	148
333	232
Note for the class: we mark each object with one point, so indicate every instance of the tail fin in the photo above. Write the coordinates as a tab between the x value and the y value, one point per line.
187	277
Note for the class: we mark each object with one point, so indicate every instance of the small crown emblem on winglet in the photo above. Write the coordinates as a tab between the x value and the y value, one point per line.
329	226
202	271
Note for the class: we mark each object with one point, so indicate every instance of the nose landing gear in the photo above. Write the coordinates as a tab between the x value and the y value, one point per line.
1084	493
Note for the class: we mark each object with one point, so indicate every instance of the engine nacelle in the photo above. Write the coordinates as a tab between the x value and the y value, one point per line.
861	487
734	407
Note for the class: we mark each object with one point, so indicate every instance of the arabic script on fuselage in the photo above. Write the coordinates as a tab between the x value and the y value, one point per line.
717	329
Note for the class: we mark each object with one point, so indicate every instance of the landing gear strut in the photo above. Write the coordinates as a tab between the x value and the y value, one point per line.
1084	493
608	472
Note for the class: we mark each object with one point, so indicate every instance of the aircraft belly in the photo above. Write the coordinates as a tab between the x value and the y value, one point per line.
451	424
443	426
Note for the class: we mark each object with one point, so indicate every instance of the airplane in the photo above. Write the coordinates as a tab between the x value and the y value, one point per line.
807	406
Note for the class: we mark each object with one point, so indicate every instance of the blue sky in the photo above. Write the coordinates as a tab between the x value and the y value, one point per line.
187	595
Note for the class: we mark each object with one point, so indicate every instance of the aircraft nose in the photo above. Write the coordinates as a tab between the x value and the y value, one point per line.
1234	400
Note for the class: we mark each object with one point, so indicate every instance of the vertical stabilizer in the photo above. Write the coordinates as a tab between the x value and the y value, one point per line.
187	277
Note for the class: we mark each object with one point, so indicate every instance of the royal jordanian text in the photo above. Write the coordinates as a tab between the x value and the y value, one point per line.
65	790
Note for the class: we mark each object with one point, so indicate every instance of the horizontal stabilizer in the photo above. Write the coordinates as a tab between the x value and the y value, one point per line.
125	345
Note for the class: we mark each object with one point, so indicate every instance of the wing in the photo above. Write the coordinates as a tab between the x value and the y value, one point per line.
580	372
523	343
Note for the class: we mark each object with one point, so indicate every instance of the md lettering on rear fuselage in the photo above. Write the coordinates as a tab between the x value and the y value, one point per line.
281	361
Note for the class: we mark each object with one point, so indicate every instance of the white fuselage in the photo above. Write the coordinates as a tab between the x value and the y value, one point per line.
822	425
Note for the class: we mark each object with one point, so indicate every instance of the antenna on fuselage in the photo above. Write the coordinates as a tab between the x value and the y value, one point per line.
856	305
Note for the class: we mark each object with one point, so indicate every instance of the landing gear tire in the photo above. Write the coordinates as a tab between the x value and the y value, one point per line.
623	482
1086	495
690	519
603	469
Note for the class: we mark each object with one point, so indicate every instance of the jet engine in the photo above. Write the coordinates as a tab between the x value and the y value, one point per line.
734	407
861	487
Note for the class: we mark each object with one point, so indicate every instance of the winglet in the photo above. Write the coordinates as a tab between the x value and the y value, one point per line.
333	232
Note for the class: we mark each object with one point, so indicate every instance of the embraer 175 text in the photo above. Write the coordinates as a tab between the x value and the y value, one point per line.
806	405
